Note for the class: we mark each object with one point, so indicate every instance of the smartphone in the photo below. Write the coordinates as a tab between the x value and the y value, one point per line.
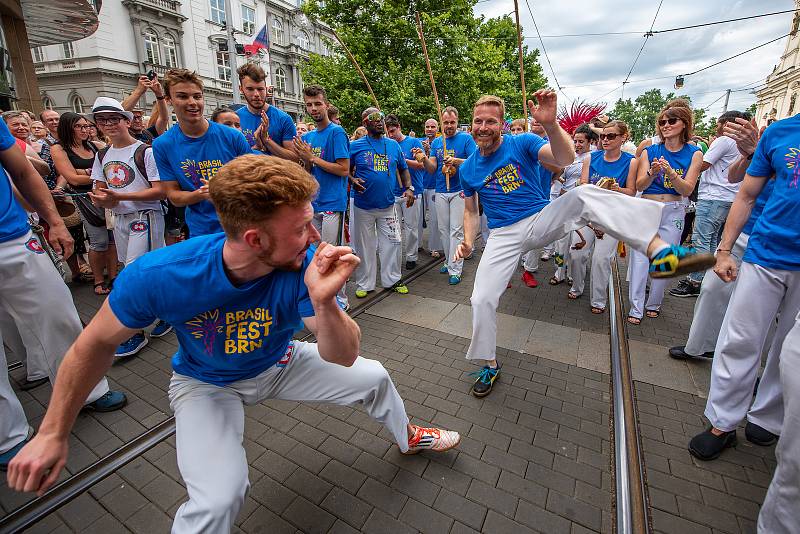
151	75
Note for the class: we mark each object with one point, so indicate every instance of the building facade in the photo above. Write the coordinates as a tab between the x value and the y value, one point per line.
778	99
136	36
26	23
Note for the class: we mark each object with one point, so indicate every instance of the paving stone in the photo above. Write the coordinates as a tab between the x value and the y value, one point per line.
274	465
341	475
376	467
674	524
264	521
149	519
523	488
541	520
464	510
308	485
495	499
387	499
164	492
381	523
505	460
309	517
81	512
415	487
574	510
272	494
499	524
123	502
347	507
424	518
476	469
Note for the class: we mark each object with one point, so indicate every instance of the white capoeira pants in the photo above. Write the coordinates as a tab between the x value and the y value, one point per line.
381	228
434	238
760	295
604	251
137	233
561	255
450	217
330	225
31	353
779	513
626	218
670	231
33	294
209	423
709	310
575	260
411	220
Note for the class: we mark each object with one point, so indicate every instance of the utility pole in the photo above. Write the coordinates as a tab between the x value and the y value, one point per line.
727	97
229	31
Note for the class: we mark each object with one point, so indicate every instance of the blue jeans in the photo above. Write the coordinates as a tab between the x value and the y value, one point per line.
709	219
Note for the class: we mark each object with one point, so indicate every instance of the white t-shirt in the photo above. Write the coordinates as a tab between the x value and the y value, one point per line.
714	183
120	173
572	172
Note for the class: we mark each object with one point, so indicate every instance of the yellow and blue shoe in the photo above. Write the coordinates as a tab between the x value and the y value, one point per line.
675	261
486	377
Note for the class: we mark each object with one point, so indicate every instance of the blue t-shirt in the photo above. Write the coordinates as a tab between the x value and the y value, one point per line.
376	161
599	168
329	144
281	126
189	160
775	240
416	174
758	207
461	145
13	219
225	333
679	161
507	180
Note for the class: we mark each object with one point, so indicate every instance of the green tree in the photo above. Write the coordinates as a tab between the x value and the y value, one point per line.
752	109
469	56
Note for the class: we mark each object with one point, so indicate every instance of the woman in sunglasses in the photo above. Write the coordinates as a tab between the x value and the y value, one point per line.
612	169
667	173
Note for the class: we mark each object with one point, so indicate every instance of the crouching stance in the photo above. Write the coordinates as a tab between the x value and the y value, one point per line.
234	299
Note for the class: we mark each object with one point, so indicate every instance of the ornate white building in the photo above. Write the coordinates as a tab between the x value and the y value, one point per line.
778	99
135	36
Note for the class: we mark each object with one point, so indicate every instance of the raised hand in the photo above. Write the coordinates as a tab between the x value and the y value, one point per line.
329	270
745	133
546	110
303	149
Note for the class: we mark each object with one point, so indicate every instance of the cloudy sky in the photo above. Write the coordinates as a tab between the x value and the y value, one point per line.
593	68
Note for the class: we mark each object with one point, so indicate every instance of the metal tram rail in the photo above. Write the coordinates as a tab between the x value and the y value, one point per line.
631	501
30	513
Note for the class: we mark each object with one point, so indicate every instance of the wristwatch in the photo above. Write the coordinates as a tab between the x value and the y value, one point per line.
410	188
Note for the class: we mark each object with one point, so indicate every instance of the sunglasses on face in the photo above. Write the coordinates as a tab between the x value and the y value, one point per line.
375	116
672	121
609	136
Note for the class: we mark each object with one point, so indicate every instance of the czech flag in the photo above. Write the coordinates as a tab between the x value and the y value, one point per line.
261	41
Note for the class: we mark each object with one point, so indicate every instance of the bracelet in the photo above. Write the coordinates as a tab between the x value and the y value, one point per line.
162	97
729	251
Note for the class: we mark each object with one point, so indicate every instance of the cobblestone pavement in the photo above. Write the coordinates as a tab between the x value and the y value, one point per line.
535	454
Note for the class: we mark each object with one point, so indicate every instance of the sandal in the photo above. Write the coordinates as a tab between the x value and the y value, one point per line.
652	314
572	296
635	321
555	281
100	289
598	311
435	254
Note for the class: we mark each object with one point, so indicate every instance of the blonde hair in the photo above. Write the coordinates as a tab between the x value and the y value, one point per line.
678	109
491	100
248	190
520	123
622	125
176	76
359	133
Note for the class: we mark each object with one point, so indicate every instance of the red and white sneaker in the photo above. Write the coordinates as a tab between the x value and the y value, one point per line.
432	439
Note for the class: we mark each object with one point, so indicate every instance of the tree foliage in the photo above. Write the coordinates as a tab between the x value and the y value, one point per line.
641	113
469	57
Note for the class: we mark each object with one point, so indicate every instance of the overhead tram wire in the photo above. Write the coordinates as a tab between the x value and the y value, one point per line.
737	55
544	49
646	37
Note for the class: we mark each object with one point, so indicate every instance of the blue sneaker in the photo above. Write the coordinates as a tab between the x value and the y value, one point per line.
160	330
443	269
454	279
676	261
343	303
112	400
132	346
9	455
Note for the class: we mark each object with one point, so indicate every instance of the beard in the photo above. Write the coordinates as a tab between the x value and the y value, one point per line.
268	259
486	141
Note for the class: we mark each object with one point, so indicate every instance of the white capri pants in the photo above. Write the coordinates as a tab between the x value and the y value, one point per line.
381	228
34	295
450	217
630	219
330	225
709	310
670	231
779	513
209	423
604	251
434	238
759	296
411	222
138	233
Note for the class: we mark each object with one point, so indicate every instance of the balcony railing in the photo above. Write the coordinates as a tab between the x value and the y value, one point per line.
168	5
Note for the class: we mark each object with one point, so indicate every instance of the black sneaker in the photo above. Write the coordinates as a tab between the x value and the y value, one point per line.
680	354
707	446
486	378
30	384
759	436
685	289
411	265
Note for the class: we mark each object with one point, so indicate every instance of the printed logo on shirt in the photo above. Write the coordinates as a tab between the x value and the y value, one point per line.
197	171
33	245
506	178
118	174
245	330
667	181
205	327
793	162
284	361
317	151
139	227
380	163
250	136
